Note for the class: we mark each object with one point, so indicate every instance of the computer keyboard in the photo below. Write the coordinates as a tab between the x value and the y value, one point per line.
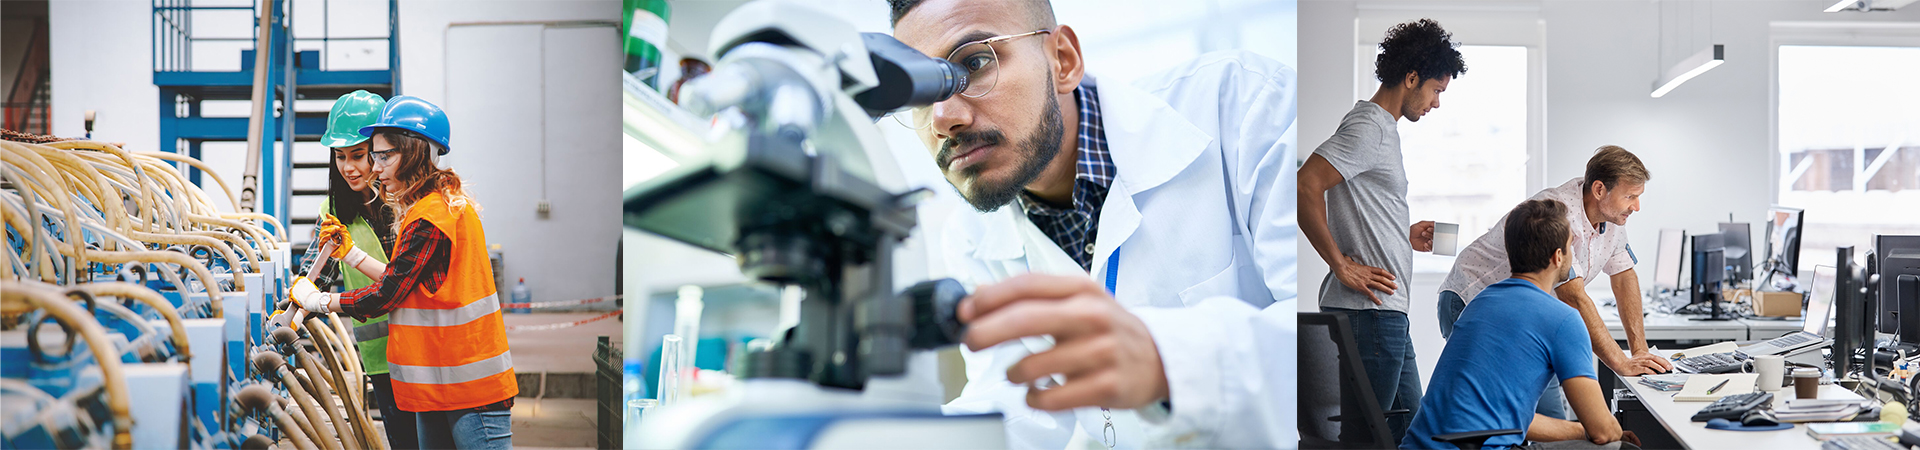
1710	363
1791	340
1861	443
1733	406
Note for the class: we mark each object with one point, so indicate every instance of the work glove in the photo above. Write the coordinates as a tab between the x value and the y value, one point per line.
309	297
332	231
277	319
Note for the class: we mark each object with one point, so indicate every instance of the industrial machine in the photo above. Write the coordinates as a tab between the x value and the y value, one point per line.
796	183
120	277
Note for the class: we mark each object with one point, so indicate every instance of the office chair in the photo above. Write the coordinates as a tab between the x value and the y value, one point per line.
1330	368
1473	440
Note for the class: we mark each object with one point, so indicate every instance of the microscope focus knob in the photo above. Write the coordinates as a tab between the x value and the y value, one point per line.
936	313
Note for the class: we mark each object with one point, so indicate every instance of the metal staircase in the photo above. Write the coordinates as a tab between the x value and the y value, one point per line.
28	99
298	69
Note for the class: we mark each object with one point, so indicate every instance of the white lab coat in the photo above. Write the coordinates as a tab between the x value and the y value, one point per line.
1202	210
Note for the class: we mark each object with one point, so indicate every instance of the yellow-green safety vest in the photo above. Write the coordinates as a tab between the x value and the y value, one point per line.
370	336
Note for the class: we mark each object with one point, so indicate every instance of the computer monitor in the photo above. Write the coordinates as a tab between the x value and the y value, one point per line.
1783	241
1853	316
1737	238
1898	258
1820	301
1709	269
1666	265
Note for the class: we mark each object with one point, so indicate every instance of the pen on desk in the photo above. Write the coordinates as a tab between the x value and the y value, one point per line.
1715	388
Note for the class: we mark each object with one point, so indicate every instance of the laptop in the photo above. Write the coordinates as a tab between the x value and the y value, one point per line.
1811	335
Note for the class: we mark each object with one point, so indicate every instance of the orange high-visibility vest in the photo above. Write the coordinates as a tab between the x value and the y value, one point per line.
447	349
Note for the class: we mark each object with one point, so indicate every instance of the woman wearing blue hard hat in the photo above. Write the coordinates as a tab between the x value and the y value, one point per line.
355	209
446	344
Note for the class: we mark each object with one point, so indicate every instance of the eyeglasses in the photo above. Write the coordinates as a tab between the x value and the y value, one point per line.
982	62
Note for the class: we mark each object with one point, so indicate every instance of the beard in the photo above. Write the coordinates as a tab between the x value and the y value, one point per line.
1035	152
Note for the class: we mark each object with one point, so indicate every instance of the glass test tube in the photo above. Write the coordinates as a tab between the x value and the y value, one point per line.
670	370
686	324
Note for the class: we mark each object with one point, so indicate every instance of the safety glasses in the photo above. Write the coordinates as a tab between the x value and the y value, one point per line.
982	61
384	158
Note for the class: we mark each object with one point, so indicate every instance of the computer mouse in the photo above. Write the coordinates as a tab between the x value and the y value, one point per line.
1759	418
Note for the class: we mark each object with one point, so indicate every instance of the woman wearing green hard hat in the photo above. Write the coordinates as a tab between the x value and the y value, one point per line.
353	207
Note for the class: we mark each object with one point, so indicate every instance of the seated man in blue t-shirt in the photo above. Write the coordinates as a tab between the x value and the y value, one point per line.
1510	342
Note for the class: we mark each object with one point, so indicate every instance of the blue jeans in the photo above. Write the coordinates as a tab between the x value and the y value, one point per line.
466	429
400	424
1553	400
1386	352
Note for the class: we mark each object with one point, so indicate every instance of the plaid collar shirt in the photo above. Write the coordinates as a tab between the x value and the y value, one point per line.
1073	228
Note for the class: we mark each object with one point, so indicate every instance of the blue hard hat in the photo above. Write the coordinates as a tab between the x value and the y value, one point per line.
410	113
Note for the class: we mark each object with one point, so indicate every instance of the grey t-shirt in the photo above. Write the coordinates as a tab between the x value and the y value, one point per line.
1367	213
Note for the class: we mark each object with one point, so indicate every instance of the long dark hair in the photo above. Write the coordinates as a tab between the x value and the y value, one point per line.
350	205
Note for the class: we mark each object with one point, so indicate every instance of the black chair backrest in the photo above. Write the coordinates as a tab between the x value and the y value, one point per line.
1330	369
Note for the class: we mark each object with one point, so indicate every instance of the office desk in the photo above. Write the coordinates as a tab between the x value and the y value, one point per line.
1677	418
1759	329
1677	328
1663	328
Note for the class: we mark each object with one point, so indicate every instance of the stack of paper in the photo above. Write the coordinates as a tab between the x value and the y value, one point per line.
1808	410
1822	414
1665	382
1698	385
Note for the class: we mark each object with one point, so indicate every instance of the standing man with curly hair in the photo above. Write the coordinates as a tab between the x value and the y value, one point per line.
1353	209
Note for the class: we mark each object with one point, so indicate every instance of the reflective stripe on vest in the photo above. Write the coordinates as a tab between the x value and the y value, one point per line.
451	375
368	332
417	317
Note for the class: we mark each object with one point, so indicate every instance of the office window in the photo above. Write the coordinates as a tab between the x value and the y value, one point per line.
1849	144
1467	160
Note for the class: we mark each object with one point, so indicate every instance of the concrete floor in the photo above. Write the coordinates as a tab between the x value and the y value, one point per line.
556	422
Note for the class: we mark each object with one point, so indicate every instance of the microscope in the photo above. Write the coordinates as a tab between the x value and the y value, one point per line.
794	184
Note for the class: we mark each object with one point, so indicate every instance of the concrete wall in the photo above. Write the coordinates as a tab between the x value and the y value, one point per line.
533	96
1708	143
102	60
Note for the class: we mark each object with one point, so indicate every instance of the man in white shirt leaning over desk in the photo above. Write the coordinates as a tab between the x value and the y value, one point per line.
1599	204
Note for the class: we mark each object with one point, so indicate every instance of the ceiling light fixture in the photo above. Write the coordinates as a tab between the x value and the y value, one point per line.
1693	66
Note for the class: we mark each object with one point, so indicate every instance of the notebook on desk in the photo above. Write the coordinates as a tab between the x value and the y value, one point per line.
1698	385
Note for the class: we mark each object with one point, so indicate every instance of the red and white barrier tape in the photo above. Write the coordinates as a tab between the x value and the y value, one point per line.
556	326
560	303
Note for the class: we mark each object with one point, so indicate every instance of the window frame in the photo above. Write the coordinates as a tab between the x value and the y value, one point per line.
1819	33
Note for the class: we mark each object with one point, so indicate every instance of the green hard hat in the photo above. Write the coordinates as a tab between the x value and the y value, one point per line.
352	111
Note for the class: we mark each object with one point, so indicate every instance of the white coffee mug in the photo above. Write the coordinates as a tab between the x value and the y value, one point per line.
1770	368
